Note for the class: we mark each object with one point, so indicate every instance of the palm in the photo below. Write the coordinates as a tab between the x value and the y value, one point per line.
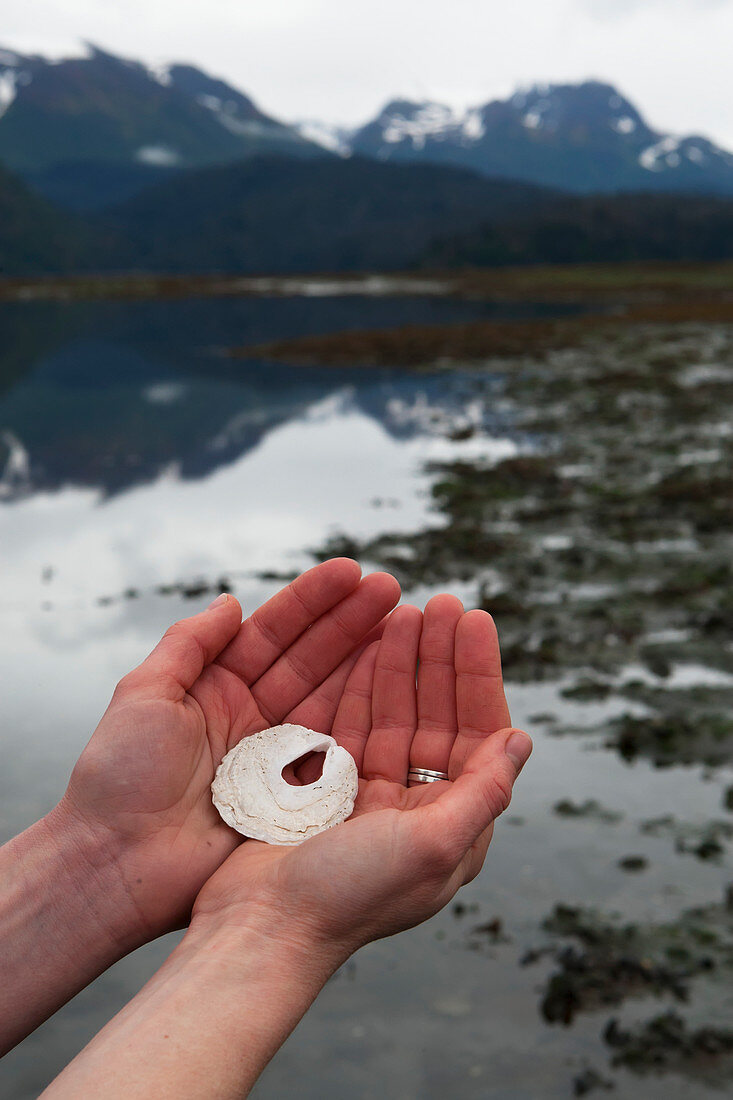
388	719
147	773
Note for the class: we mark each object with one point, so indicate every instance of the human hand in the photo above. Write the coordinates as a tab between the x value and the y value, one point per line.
273	923
406	850
141	788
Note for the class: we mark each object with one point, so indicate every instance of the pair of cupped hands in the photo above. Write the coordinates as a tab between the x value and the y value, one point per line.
397	688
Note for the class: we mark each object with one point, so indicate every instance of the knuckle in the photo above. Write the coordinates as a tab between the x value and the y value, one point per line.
300	667
125	686
261	624
437	663
360	693
392	666
344	624
177	630
310	612
500	794
130	689
185	642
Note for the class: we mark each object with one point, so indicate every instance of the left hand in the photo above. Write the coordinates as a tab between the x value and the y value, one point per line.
406	850
139	797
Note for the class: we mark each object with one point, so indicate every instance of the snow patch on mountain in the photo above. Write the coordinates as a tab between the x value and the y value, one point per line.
226	112
429	120
8	84
336	139
210	102
540	107
532	120
473	124
663	154
158	156
11	79
246	127
160	72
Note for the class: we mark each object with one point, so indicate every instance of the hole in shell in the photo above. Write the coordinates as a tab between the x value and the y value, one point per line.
306	769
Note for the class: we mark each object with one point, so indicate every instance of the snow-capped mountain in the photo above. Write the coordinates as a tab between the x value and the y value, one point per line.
578	137
101	108
94	129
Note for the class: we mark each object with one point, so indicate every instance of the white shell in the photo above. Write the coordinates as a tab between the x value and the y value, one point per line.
251	795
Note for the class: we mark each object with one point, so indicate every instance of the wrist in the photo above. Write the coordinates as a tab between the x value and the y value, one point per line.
217	1011
90	864
64	918
263	930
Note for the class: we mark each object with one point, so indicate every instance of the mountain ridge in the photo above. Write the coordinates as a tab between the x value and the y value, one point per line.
101	108
104	108
165	168
584	137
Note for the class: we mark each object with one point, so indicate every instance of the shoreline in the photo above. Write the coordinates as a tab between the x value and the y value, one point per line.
568	283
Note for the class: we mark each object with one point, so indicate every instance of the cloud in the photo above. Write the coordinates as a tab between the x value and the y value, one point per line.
618	9
340	62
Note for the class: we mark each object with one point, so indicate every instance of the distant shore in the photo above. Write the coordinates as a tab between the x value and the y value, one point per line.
647	283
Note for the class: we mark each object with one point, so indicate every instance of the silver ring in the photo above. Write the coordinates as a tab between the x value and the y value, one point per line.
425	775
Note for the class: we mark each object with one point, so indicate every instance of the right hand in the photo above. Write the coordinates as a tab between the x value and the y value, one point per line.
406	850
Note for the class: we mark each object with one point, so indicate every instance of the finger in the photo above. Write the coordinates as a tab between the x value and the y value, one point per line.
314	656
268	632
480	702
186	649
318	710
353	721
394	702
235	702
436	685
353	717
469	805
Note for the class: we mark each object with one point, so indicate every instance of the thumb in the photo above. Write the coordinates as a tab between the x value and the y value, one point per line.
483	790
186	648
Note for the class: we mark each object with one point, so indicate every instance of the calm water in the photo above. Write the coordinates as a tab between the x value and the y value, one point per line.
133	458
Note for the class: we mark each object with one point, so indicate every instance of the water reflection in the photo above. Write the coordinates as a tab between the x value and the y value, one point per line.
134	458
111	395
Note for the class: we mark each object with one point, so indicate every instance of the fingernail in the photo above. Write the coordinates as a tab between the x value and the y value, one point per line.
218	601
518	748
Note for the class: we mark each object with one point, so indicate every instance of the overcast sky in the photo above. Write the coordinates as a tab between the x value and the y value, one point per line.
340	60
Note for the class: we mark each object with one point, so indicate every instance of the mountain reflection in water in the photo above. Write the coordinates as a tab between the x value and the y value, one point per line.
109	395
